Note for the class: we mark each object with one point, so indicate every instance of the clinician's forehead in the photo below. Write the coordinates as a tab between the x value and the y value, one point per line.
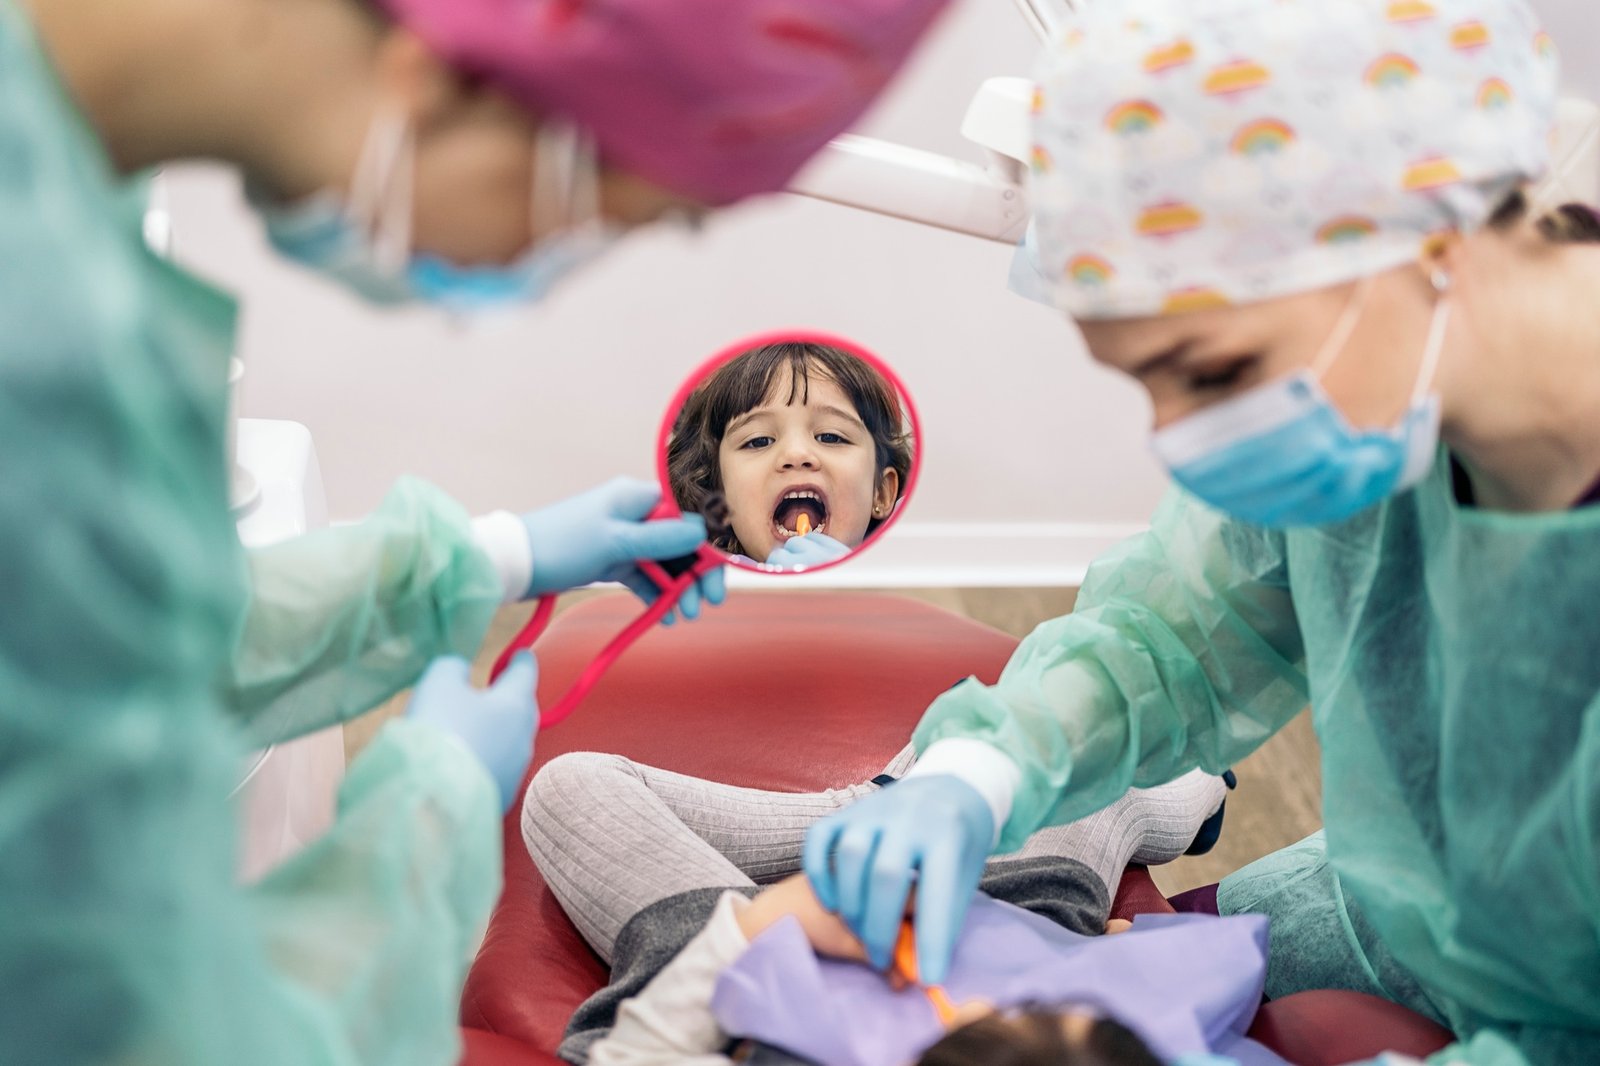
1135	345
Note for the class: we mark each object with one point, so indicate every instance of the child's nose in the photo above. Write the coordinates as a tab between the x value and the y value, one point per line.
799	452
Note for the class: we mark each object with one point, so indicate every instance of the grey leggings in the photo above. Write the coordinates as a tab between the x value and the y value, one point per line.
612	836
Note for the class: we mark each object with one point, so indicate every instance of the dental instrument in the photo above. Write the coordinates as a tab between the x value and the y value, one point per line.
905	964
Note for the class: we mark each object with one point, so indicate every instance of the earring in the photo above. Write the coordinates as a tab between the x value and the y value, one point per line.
1433	250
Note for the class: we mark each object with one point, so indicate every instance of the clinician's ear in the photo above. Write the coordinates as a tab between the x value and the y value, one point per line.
409	73
1443	257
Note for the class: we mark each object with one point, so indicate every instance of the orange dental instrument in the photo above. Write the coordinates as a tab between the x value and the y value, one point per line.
905	962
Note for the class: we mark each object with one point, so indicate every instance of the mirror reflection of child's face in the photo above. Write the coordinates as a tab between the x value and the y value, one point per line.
812	457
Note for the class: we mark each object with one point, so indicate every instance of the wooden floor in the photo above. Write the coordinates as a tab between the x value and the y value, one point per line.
1280	786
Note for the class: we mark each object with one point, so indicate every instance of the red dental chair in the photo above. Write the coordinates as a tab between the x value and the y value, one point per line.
795	691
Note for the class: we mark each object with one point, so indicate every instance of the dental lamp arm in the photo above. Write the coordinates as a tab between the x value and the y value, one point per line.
918	186
987	201
1044	16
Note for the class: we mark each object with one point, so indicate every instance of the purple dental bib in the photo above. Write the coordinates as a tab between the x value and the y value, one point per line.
1188	984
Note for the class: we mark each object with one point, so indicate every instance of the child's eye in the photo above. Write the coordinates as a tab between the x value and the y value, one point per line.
1221	377
832	438
756	443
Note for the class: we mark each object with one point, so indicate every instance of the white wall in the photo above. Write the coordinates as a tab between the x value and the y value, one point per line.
1036	459
1575	24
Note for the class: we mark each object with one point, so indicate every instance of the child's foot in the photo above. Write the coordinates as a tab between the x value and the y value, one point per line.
1211	829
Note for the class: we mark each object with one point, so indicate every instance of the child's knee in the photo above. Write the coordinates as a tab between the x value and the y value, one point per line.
574	776
561	797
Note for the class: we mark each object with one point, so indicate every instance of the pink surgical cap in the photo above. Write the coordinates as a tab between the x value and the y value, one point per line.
712	99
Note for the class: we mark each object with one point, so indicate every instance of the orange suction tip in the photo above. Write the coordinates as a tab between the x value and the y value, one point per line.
905	953
942	1005
803	526
905	961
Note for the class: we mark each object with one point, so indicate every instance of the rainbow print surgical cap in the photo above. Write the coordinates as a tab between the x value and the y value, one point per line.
1191	154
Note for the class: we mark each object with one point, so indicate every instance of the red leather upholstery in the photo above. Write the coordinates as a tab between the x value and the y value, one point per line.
794	691
1138	894
483	1048
781	690
1328	1028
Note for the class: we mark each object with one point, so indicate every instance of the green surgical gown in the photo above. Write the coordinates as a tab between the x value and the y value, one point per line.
1452	661
142	653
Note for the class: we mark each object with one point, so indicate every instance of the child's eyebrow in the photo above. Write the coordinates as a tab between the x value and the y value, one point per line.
825	409
839	412
749	415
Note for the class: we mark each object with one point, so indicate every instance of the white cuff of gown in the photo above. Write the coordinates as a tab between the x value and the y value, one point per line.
983	766
504	539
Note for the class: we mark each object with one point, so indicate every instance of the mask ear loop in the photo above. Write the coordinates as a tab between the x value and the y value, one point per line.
392	241
585	182
1436	334
382	191
1342	329
555	150
566	181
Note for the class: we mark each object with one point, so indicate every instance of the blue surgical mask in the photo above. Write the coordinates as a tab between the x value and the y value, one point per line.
318	233
364	240
528	280
1284	455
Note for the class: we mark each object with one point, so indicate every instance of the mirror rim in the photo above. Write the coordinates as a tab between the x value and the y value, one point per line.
669	500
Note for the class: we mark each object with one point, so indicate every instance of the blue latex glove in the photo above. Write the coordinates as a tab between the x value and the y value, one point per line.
601	535
862	861
813	549
498	723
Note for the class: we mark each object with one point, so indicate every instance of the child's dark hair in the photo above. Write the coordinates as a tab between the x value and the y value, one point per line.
693	456
1035	1037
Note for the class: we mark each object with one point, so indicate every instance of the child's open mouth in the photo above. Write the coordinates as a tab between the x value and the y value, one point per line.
799	511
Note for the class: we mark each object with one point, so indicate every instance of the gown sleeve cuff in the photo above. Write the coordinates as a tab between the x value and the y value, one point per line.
504	539
986	768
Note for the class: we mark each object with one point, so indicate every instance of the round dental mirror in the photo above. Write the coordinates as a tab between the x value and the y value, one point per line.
799	448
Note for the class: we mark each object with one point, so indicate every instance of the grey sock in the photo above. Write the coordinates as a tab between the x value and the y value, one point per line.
1147	825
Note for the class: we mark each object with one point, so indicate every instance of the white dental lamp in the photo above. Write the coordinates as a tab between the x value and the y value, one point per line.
985	200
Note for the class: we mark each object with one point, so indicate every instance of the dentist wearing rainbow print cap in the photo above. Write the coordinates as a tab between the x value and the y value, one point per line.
1310	231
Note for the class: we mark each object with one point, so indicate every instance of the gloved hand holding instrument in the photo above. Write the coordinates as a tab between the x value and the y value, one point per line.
932	834
498	724
623	531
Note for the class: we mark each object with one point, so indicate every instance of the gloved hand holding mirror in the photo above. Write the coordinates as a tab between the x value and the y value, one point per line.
799	448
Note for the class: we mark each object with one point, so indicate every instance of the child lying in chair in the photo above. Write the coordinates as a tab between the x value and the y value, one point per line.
783	973
658	871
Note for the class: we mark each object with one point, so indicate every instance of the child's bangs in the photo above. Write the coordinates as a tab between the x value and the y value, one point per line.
756	380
